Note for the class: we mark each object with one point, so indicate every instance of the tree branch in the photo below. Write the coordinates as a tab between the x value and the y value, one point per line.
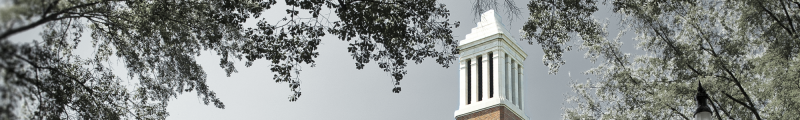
679	113
45	19
49	7
716	110
372	1
739	85
797	3
707	39
734	79
714	103
777	20
24	28
751	108
672	46
57	72
788	16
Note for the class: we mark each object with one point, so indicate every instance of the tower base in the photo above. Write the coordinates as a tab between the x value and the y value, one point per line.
494	113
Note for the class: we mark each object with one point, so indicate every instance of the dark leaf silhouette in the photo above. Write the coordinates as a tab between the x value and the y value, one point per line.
158	40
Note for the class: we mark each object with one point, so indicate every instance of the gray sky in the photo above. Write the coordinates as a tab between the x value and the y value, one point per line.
334	89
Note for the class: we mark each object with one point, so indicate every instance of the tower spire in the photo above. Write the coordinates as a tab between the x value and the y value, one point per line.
703	112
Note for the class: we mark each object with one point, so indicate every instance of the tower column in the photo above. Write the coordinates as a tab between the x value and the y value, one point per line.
484	76
473	82
521	87
462	85
506	83
516	85
513	87
497	68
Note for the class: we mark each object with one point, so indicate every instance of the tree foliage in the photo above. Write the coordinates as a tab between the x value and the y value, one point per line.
157	41
743	51
509	7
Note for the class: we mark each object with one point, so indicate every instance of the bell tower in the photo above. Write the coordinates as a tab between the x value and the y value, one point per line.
491	79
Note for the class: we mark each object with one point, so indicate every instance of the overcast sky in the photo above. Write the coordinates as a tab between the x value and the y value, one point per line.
335	90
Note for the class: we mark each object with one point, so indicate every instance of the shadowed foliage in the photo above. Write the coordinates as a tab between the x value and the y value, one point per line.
158	41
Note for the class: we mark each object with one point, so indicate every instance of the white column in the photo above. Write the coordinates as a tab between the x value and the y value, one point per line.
521	86
462	83
506	83
513	82
495	76
473	80
485	77
517	87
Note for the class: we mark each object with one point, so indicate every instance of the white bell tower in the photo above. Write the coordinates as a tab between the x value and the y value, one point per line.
491	79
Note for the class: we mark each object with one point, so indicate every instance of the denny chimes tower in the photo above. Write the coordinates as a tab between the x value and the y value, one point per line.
491	79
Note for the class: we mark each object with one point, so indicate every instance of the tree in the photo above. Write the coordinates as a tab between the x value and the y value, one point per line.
744	52
480	6
157	40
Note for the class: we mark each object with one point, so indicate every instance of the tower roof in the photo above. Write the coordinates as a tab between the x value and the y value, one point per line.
490	24
488	29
